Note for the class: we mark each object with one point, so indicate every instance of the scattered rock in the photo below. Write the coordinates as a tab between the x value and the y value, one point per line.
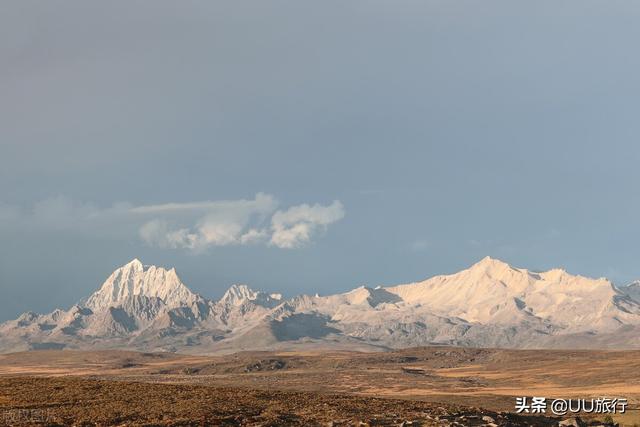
190	371
414	371
266	365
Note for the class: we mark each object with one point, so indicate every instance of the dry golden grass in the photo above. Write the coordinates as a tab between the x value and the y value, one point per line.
454	376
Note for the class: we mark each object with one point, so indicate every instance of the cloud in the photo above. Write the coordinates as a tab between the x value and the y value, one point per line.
157	233
194	226
254	236
296	226
240	223
63	214
198	226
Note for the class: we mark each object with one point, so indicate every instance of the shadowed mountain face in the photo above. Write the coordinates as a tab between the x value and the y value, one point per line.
490	304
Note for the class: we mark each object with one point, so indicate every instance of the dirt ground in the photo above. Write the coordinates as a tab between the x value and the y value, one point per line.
78	401
427	386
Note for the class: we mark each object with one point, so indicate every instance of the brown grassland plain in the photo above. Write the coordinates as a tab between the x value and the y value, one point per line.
429	386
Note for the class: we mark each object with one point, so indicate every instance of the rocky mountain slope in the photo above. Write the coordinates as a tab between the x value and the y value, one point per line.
490	304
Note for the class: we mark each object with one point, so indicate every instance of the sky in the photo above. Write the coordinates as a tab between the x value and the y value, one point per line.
305	147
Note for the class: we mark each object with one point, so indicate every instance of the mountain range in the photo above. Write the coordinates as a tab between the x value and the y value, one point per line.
490	304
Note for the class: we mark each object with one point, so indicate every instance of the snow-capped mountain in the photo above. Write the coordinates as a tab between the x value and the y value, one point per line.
135	280
489	304
632	290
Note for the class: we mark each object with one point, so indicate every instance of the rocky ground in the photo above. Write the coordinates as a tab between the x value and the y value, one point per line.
85	402
432	386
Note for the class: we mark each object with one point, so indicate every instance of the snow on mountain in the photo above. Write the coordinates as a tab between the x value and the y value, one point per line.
134	279
238	295
490	304
493	292
632	290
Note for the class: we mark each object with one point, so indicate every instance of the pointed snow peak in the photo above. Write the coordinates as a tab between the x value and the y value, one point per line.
491	266
134	264
134	279
137	265
358	295
240	288
238	295
491	262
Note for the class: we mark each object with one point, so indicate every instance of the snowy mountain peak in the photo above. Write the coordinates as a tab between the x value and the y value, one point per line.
488	260
134	264
488	304
239	294
491	266
133	279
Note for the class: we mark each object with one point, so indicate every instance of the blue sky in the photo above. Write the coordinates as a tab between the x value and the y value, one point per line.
314	146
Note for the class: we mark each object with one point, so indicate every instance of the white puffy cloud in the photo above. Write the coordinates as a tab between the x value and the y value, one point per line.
297	225
254	236
193	226
158	233
241	223
198	226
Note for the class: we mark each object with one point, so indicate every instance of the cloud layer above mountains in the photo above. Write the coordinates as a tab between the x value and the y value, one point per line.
193	226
